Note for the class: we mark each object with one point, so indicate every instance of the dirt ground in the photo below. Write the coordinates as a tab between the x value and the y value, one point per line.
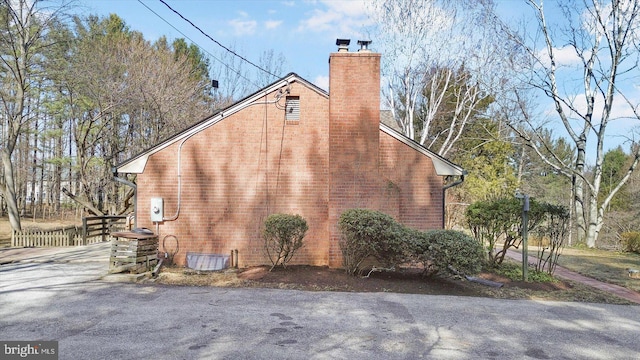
312	278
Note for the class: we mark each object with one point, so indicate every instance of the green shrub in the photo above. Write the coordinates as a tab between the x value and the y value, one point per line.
283	234
455	252
368	233
631	241
494	221
418	250
540	276
508	269
446	250
500	221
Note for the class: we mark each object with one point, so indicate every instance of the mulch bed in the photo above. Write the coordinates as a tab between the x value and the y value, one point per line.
408	281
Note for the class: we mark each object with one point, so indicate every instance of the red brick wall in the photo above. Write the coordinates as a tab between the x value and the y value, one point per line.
412	180
236	173
253	163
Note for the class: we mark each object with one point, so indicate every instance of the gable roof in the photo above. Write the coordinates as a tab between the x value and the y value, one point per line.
136	164
442	166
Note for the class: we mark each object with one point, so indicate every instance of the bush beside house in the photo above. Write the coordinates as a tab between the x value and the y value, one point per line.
368	233
283	235
373	234
446	250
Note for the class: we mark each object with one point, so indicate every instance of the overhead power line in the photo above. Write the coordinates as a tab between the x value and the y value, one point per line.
218	43
201	48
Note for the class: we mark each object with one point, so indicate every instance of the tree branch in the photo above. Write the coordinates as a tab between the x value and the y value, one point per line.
85	204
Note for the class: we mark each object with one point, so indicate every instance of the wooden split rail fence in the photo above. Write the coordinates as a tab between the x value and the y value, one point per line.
94	229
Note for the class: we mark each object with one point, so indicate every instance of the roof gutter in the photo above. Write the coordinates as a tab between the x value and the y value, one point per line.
444	194
455	183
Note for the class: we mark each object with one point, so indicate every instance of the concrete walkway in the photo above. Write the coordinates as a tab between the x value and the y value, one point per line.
567	274
98	252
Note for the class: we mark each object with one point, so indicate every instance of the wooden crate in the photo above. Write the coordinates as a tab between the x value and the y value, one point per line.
132	252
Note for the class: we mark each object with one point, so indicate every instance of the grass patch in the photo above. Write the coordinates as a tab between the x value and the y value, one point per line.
513	270
187	277
603	265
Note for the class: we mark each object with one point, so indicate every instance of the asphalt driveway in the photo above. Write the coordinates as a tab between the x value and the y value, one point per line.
95	319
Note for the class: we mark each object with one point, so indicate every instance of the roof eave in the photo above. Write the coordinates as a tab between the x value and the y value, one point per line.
442	166
136	165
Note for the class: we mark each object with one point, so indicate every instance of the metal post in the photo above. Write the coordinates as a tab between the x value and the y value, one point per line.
103	228
85	230
525	245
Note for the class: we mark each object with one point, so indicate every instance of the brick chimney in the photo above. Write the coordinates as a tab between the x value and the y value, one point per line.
354	133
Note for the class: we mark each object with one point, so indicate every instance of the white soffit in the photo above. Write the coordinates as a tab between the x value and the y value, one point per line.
136	166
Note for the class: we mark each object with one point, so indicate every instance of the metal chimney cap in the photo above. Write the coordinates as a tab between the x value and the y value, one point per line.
343	44
364	45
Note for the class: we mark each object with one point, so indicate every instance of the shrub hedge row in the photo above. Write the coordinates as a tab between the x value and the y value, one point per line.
373	234
369	233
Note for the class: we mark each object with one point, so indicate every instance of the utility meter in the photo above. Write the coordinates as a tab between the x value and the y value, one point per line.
157	209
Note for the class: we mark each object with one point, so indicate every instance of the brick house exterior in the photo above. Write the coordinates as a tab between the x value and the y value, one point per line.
289	148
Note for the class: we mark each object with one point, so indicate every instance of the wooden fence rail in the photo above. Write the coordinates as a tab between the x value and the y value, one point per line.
65	236
94	229
97	228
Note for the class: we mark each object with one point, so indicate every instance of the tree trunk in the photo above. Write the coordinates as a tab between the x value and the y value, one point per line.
579	188
595	223
34	169
10	191
578	202
57	175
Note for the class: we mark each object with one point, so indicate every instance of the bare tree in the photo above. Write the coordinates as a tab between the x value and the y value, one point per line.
123	95
23	27
273	64
163	98
233	79
439	57
602	38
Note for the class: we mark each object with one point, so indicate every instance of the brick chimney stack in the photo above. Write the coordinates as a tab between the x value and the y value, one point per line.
354	133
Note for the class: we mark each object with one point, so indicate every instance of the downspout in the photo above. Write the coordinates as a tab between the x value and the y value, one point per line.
135	195
175	216
444	193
